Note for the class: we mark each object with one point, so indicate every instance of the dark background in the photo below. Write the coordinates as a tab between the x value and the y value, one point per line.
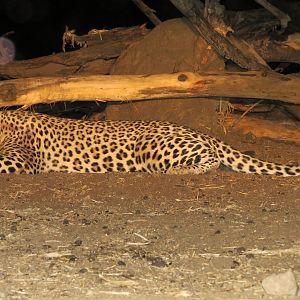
38	25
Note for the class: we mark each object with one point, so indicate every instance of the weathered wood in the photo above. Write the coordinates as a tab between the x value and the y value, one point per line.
97	58
229	47
103	36
63	64
258	85
283	17
265	128
252	24
255	26
262	108
102	53
273	51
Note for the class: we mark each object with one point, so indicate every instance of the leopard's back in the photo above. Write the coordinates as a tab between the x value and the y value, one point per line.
34	143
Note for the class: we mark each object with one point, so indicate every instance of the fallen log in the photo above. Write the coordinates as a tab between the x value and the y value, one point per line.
265	128
98	55
259	85
253	85
105	47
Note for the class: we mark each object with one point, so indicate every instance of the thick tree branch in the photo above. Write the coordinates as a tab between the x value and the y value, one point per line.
259	85
228	47
103	48
265	128
147	11
283	17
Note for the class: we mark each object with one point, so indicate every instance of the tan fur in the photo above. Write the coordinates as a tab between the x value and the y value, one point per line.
33	143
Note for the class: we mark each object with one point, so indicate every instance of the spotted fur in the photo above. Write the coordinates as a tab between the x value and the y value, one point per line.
33	143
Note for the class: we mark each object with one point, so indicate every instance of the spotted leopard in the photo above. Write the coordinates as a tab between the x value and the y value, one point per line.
34	143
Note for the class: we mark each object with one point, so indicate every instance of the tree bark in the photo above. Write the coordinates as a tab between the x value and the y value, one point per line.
265	128
283	17
258	85
99	53
227	46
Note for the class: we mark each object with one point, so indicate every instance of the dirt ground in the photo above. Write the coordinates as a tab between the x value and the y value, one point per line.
141	236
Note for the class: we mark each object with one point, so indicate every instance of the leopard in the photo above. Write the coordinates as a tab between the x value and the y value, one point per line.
33	143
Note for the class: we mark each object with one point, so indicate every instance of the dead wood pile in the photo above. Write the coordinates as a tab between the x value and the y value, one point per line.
250	40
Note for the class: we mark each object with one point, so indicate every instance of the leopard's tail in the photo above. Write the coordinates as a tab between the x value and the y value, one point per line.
247	164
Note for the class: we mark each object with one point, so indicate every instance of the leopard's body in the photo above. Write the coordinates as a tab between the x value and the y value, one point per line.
33	143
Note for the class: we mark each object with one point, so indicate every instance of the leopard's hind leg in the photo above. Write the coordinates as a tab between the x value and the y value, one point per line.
15	159
15	164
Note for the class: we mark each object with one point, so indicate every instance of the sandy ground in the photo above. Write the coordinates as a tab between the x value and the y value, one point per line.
141	236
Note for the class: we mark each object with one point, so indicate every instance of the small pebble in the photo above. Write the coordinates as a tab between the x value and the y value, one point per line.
83	270
157	262
66	222
281	284
13	227
86	222
240	250
72	258
78	242
2	237
121	263
235	264
2	276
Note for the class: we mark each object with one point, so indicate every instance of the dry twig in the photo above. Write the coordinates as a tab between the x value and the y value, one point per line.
149	12
283	17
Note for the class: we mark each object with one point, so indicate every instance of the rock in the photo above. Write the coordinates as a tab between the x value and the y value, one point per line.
281	284
172	46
